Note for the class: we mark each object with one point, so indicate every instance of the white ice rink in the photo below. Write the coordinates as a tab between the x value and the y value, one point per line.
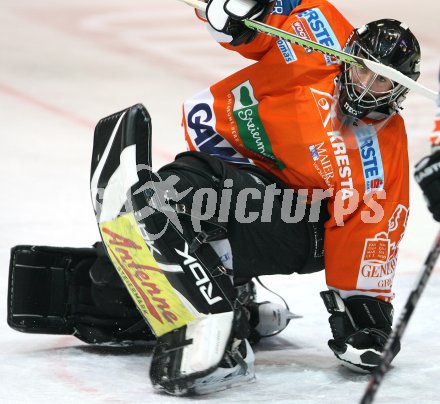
66	64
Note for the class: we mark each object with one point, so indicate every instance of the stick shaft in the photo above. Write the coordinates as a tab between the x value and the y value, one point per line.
377	68
387	355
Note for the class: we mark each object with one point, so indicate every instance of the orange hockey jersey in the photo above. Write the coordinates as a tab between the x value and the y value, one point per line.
275	114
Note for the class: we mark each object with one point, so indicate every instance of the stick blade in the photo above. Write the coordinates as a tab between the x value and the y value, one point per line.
400	78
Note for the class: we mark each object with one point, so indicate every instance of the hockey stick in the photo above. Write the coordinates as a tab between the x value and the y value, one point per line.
387	356
375	67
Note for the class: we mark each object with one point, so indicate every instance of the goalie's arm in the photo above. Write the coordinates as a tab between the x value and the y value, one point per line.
226	24
377	68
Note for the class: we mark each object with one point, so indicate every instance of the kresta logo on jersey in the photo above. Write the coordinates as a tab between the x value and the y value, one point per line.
320	28
323	165
249	124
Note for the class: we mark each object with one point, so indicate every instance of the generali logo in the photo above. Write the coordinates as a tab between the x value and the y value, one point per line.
380	253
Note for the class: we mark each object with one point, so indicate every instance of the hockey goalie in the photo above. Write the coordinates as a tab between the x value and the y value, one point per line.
295	164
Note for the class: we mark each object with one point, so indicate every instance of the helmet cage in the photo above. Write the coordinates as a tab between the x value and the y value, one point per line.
361	95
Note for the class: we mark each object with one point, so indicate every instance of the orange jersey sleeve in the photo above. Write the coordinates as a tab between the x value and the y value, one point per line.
280	18
361	250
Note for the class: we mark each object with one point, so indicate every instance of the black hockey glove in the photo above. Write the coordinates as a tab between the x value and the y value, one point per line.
74	291
226	16
360	326
427	175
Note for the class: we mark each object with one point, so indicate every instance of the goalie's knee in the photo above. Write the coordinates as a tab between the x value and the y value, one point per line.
215	192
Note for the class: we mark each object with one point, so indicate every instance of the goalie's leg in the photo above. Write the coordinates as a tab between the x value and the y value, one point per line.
243	247
181	282
177	280
210	353
262	244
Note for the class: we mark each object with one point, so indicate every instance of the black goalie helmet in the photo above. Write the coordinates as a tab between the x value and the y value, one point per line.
360	91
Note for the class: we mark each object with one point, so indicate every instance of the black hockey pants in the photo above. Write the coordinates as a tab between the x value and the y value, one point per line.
262	242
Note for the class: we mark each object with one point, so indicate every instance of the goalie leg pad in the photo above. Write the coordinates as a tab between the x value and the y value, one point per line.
201	358
177	285
38	292
71	291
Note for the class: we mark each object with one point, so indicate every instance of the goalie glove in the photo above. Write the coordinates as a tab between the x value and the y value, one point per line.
361	326
227	16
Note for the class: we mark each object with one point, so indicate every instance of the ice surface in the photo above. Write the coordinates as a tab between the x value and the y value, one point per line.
63	66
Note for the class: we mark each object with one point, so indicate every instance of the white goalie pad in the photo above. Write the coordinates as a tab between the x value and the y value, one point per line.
210	336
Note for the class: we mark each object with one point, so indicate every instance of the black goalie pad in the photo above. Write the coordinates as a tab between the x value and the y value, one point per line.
71	291
38	291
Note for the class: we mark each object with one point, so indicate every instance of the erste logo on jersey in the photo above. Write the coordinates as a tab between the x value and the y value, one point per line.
371	158
320	29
